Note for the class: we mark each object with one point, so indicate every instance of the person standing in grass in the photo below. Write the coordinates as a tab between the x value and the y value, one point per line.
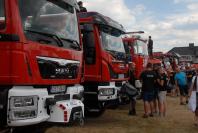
172	82
162	86
148	78
156	90
181	83
190	73
194	87
132	110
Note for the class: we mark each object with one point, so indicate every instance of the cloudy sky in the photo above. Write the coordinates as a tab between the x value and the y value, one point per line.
171	23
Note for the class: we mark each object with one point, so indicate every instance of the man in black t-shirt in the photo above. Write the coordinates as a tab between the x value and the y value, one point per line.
148	78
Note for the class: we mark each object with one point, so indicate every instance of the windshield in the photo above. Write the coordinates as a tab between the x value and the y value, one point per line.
49	16
140	47
112	43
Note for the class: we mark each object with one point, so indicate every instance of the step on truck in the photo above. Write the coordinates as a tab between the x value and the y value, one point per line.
105	69
40	62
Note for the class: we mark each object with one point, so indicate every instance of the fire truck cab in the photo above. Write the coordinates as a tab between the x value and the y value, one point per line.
106	69
41	62
137	52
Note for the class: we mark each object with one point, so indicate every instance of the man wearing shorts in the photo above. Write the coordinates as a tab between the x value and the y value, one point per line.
162	84
148	78
181	82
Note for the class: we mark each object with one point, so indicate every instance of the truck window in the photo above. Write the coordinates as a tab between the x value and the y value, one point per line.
142	47
112	42
89	47
50	22
2	15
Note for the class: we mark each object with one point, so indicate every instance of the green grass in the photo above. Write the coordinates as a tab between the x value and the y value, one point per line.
179	120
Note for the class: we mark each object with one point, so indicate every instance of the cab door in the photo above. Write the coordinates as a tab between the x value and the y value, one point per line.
5	42
91	52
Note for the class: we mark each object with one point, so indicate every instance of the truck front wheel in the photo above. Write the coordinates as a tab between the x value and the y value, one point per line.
3	105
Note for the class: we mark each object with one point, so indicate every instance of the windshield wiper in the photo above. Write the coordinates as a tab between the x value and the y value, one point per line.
77	45
57	38
53	35
113	51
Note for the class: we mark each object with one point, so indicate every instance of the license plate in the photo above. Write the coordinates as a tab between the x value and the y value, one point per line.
121	76
58	89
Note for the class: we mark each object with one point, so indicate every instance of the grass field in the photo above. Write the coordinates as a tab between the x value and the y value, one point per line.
179	120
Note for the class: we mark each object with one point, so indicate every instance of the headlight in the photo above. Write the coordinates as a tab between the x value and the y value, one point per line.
106	91
22	101
26	114
25	107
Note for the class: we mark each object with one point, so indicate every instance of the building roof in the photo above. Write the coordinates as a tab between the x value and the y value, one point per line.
185	50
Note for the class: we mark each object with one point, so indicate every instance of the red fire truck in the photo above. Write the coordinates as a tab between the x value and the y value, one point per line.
137	52
105	60
155	62
40	62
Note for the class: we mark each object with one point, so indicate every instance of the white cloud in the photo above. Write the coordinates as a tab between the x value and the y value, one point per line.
116	9
139	9
178	29
184	1
171	31
184	19
193	6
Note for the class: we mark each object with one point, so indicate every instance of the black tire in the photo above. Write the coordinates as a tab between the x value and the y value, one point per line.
3	102
82	122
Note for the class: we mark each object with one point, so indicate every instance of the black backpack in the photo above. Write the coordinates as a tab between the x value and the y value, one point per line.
129	90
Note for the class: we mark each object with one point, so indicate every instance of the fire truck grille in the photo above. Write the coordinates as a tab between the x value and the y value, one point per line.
53	68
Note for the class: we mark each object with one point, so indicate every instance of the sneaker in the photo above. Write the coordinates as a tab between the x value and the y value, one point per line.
182	104
145	116
196	124
160	115
155	113
132	113
151	115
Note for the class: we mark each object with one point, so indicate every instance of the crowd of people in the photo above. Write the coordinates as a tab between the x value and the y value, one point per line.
158	83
